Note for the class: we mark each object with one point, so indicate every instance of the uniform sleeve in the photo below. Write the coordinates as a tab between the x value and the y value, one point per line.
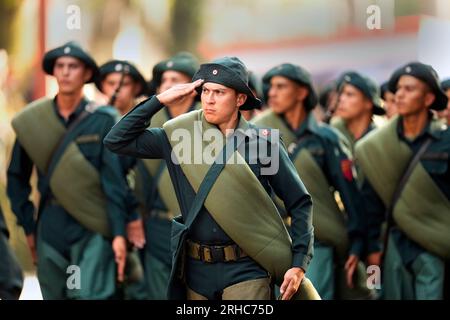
340	172
288	187
375	211
130	135
19	188
115	187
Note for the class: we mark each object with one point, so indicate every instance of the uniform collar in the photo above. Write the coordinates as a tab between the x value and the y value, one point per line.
433	128
80	108
309	124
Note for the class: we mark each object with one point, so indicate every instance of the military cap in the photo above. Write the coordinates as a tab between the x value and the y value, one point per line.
325	93
71	49
124	67
296	74
425	73
384	88
230	72
364	84
445	85
183	62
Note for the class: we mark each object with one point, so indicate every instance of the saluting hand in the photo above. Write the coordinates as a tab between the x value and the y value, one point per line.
292	280
119	246
179	93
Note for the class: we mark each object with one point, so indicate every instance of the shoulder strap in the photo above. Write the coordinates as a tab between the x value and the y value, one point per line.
57	153
399	188
404	179
211	177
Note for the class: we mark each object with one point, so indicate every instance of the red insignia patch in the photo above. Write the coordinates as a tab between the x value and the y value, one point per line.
265	132
347	169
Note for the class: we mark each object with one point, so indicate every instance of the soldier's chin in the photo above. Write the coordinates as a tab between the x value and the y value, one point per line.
211	118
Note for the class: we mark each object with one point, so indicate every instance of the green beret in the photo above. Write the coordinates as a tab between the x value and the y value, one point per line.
70	49
124	67
296	74
230	72
425	73
364	84
183	62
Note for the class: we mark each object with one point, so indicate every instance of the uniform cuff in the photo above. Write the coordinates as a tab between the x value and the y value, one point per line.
357	248
301	260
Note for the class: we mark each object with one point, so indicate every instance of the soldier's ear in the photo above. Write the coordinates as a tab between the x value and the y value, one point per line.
241	98
87	74
137	89
302	93
429	98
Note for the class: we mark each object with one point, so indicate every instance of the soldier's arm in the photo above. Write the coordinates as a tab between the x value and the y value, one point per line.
288	187
340	172
115	186
130	135
375	212
19	188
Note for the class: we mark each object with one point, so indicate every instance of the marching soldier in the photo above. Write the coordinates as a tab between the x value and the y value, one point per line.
323	165
389	100
230	236
407	180
445	114
358	101
11	278
122	83
158	203
80	182
253	84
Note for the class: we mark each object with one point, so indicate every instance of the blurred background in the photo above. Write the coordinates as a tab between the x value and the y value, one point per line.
324	36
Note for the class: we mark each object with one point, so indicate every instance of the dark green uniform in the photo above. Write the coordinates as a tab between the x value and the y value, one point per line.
62	241
158	216
153	143
411	271
327	147
11	279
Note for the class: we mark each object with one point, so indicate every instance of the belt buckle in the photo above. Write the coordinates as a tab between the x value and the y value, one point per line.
217	254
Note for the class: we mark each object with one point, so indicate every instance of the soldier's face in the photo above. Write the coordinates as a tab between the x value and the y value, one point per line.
445	114
127	92
71	74
352	103
170	78
285	94
412	96
219	103
389	103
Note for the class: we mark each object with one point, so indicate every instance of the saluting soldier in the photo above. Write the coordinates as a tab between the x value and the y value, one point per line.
325	166
407	184
82	189
230	236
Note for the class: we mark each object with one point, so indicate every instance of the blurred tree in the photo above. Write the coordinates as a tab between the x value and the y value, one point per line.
8	10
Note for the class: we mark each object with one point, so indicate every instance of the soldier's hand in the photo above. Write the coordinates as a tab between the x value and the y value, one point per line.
119	246
135	233
374	259
350	267
179	93
292	280
32	245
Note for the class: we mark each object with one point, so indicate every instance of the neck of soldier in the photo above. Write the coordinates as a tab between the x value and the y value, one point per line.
229	124
295	116
68	102
179	109
358	125
413	124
